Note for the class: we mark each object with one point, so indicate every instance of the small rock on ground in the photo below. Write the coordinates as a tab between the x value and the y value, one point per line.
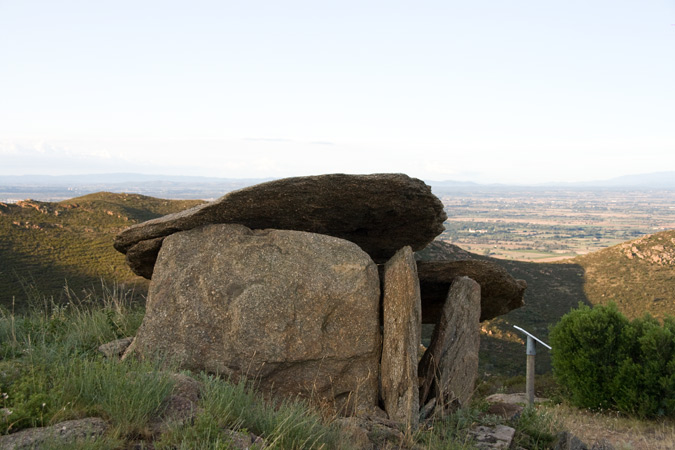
518	398
115	348
65	432
245	441
497	437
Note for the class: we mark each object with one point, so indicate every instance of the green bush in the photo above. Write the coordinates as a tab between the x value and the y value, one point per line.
644	384
606	361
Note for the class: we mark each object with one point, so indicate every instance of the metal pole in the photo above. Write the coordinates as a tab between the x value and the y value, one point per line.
529	385
530	352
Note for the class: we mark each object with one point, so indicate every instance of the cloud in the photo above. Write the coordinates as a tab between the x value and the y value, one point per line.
268	140
8	148
56	158
284	140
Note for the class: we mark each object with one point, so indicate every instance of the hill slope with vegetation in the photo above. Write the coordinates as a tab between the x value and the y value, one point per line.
637	275
43	245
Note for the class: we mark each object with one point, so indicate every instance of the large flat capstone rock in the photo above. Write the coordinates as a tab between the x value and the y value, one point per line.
296	312
381	213
500	292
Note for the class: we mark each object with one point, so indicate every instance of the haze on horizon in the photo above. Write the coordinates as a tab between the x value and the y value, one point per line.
488	91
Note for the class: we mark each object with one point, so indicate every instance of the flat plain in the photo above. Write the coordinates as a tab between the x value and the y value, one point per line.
550	224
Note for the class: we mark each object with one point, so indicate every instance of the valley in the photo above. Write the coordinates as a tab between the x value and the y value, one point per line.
545	224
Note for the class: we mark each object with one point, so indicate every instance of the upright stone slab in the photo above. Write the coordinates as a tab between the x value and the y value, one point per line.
380	213
450	365
402	322
296	312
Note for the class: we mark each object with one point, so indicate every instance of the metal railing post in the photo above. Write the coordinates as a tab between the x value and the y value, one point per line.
530	351
529	372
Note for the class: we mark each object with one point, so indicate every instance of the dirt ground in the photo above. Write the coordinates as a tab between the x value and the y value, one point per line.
622	432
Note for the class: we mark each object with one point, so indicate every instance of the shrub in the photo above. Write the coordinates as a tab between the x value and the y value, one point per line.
606	361
644	384
585	355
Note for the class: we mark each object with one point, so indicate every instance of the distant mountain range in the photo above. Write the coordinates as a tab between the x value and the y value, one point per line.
656	180
54	188
117	178
44	245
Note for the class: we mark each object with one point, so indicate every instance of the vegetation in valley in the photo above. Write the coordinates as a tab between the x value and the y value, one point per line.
547	224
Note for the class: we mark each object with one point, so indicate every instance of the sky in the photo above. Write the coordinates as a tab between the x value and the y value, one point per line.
524	91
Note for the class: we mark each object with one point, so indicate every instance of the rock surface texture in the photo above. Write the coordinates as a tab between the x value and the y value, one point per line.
381	213
500	292
180	407
298	312
496	437
402	324
63	434
116	348
450	365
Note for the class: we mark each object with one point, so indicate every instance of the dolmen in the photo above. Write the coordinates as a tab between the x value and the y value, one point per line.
309	287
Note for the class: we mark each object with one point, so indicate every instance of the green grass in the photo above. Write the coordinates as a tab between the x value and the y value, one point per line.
238	407
51	371
536	430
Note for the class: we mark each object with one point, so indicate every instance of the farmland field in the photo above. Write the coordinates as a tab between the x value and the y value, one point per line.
544	224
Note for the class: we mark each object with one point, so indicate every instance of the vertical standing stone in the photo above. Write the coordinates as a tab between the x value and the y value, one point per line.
295	312
450	365
402	318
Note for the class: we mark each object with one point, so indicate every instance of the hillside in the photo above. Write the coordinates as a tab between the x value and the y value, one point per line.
638	275
43	244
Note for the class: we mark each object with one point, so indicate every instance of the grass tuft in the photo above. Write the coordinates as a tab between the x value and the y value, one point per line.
283	425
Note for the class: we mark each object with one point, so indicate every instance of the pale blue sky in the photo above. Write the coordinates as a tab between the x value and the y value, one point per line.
490	91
